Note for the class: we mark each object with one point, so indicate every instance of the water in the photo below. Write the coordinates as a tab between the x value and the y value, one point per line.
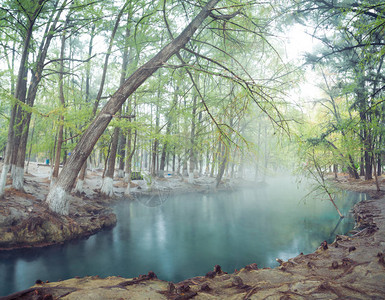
188	235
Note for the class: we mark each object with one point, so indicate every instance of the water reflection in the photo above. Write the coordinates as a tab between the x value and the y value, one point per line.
188	235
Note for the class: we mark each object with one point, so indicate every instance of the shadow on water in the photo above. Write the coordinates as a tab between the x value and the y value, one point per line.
187	235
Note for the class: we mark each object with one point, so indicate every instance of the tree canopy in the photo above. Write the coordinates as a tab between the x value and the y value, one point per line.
194	87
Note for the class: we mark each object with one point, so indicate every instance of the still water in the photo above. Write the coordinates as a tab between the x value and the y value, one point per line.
188	234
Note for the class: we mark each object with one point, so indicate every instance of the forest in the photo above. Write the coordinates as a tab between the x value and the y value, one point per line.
169	136
190	88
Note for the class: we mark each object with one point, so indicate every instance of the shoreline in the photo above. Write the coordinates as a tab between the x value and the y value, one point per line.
351	267
27	222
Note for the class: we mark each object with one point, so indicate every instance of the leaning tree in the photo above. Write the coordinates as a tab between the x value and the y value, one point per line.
58	195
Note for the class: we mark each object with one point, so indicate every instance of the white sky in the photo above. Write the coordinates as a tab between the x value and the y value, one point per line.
298	42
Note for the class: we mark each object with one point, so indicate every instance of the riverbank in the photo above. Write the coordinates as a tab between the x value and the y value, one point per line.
351	267
26	221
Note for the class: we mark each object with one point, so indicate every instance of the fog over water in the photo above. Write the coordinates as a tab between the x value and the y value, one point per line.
188	234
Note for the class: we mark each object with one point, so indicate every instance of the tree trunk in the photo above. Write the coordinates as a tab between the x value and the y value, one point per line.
107	188
154	157
122	154
170	120
192	139
362	165
335	206
30	149
375	173
62	102
80	182
8	151
18	179
379	166
129	163
223	164
368	165
106	59
335	171
173	161
185	165
20	92
127	175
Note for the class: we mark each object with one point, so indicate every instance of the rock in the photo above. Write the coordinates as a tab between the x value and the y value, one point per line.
171	288
218	269
151	275
211	274
324	245
205	287
381	260
237	281
335	265
12	217
184	288
254	266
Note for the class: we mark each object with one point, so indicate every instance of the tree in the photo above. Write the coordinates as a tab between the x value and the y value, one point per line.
353	49
31	13
23	115
57	197
316	166
107	185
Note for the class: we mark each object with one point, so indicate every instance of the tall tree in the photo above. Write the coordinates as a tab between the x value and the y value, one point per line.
57	197
107	185
25	116
31	14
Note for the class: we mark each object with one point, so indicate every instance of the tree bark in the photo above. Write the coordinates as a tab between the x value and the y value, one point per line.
80	182
122	154
170	120
107	188
106	59
55	172
223	164
192	137
375	173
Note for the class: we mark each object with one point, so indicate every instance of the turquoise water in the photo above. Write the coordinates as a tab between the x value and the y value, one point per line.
188	234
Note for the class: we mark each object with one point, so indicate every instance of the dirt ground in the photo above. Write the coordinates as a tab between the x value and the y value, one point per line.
26	220
352	267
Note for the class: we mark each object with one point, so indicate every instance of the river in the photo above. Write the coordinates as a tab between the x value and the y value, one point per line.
187	235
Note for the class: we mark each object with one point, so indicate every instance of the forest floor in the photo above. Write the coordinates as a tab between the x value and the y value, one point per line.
352	267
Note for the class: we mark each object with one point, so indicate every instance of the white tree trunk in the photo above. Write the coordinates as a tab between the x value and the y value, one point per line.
107	187
126	177
121	173
3	178
127	191
191	178
18	178
79	186
58	200
53	181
